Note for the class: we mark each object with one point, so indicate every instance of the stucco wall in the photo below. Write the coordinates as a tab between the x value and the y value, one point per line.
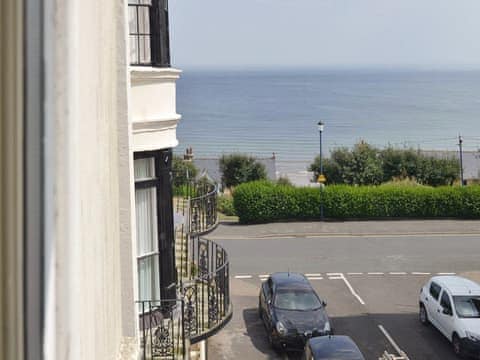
88	269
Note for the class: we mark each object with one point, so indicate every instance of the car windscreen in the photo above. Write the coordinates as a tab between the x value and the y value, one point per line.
296	299
467	306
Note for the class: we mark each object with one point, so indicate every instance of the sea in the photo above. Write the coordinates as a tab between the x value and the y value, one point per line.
266	112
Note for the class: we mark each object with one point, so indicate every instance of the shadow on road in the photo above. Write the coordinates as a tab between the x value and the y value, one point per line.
257	334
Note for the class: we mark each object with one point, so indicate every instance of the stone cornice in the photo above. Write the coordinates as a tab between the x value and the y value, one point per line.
147	74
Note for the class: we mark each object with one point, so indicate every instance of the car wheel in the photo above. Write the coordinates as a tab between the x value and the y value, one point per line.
457	346
422	315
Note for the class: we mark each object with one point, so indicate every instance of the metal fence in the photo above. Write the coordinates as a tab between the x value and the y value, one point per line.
162	333
207	292
202	308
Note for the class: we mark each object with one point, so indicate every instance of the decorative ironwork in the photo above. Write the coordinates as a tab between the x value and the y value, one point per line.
161	329
162	341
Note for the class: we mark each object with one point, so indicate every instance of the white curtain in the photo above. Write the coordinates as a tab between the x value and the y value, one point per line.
147	233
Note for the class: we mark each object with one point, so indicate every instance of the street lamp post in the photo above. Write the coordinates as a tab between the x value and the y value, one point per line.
320	177
460	143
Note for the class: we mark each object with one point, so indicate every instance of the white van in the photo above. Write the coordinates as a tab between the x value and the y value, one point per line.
452	305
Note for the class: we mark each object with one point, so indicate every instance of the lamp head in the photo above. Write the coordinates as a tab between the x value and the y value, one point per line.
320	126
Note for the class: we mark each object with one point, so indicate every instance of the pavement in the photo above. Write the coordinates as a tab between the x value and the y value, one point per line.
233	230
369	272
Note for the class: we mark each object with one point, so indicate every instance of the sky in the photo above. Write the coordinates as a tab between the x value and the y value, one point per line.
325	33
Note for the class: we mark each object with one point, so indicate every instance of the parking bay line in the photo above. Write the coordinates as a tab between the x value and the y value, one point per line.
243	276
315	278
392	342
340	276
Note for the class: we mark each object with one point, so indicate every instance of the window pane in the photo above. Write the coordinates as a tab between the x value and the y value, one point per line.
144	20
144	169
145	51
132	19
146	217
149	278
133	51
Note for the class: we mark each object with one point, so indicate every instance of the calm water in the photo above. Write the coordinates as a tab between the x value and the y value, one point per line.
261	112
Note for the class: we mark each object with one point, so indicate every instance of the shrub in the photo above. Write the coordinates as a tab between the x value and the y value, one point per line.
225	205
264	202
237	169
285	181
368	165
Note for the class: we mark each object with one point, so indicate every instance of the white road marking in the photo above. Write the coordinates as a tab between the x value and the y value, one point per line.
376	273
263	279
355	273
420	273
398	273
315	278
335	278
389	338
354	293
446	273
307	275
243	276
334	274
263	276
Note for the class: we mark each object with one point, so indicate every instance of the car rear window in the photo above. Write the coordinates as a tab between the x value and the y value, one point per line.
435	290
294	299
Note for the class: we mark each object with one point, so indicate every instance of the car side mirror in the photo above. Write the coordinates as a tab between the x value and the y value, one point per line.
447	311
324	303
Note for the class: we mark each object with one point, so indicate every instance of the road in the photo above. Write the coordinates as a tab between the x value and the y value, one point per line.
369	281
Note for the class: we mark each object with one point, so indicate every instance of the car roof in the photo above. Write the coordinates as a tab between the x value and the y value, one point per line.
335	347
457	285
290	280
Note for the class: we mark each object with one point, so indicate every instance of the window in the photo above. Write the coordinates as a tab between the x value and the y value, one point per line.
445	301
467	306
435	290
148	32
147	229
139	31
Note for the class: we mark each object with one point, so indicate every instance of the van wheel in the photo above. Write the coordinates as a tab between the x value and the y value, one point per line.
422	315
457	346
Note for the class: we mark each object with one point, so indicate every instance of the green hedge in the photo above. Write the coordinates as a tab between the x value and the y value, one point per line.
262	201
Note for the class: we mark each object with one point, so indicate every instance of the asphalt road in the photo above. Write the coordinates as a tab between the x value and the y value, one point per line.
370	283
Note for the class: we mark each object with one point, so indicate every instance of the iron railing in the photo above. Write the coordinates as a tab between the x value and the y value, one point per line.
167	327
162	333
207	292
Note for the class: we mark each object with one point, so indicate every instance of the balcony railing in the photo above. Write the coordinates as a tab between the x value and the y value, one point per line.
148	33
202	309
162	333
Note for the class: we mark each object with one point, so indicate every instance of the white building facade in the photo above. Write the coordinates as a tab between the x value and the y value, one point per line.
88	124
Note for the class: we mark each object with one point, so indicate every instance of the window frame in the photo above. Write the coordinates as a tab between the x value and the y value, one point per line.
143	184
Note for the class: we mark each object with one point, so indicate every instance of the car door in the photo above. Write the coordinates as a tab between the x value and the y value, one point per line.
267	303
432	302
445	314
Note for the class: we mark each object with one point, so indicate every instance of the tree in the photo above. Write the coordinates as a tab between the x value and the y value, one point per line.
365	164
183	171
238	168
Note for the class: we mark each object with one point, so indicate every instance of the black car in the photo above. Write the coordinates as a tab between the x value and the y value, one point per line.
332	348
291	311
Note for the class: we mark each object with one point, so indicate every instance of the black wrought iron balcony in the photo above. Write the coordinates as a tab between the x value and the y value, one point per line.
149	33
203	308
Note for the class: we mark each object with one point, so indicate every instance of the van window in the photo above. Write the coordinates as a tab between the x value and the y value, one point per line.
435	290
